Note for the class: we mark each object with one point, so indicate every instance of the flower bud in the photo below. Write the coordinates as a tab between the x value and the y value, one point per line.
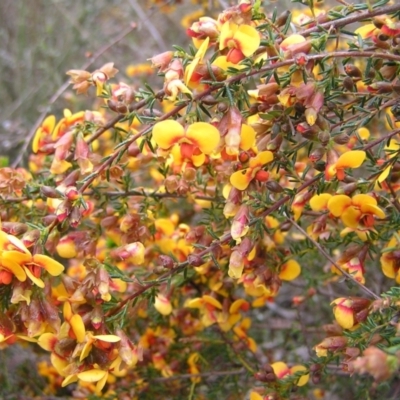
14	228
348	84
352	70
342	138
324	137
195	260
166	261
274	187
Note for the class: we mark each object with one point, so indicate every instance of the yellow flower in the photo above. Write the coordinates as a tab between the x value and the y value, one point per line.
350	159
355	211
390	259
241	40
350	311
17	260
162	305
197	139
241	179
290	270
209	308
281	370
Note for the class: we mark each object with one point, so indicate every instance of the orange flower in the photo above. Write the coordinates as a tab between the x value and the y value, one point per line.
241	40
241	179
197	139
16	259
355	211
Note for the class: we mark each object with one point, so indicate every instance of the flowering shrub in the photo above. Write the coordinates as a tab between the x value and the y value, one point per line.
234	232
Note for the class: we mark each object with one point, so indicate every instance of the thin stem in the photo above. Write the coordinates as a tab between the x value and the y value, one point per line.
63	88
330	259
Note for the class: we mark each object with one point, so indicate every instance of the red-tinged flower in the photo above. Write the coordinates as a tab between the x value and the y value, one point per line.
205	27
198	58
295	44
390	259
241	40
359	210
330	344
209	307
240	222
161	61
299	204
194	140
242	178
75	323
43	134
350	311
162	304
281	371
354	267
350	159
82	80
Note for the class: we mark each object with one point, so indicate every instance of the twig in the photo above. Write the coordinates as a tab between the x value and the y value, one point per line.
330	259
351	19
147	23
201	375
62	89
395	200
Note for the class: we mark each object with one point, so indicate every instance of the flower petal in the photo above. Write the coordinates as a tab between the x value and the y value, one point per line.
290	270
247	39
78	327
53	267
351	159
337	204
344	316
241	179
166	133
319	202
205	136
92	375
36	281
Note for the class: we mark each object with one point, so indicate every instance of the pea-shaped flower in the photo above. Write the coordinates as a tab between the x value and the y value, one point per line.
195	139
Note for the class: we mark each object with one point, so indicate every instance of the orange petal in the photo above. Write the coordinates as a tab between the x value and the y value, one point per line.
280	369
337	204
319	202
36	281
247	39
205	136
351	217
241	179
303	379
92	375
351	159
261	159
247	137
14	267
47	341
290	270
210	300
108	338
53	267
78	327
167	133
371	209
